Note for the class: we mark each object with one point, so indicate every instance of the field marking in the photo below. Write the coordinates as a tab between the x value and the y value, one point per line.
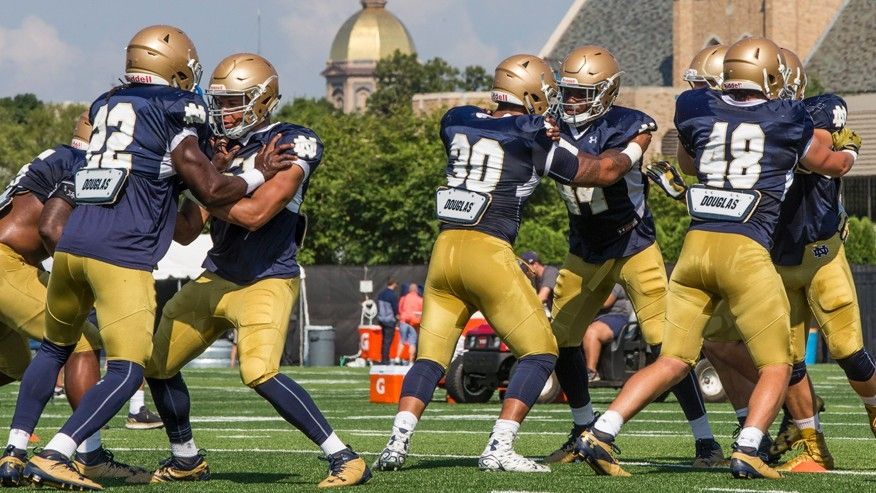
430	456
740	490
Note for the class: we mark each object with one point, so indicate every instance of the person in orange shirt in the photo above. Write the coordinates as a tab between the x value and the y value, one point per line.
410	308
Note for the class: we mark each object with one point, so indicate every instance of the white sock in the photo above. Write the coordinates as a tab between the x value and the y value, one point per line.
187	449
749	437
701	429
610	423
332	444
63	444
137	401
404	423
583	415
870	401
90	444
18	438
806	423
503	435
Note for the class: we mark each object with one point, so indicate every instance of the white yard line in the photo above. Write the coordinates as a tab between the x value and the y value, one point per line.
740	490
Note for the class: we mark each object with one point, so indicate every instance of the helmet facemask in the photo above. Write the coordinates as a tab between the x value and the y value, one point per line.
229	102
691	76
592	102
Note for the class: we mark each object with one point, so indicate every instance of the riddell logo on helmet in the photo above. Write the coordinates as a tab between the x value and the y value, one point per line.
217	87
498	96
569	80
139	78
732	85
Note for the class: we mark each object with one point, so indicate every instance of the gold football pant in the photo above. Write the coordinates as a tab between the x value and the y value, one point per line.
822	285
22	313
723	266
582	289
209	306
124	299
470	271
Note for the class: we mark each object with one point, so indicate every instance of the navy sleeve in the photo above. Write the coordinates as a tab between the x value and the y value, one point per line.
187	113
561	162
65	191
306	145
828	111
631	124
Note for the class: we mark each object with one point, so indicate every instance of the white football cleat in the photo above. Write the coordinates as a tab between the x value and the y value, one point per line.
394	454
500	456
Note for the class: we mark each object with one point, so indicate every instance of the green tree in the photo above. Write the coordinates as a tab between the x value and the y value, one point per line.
400	76
861	243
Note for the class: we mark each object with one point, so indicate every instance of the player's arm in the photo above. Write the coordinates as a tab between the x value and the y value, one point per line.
685	160
254	212
214	189
190	220
55	213
821	158
611	165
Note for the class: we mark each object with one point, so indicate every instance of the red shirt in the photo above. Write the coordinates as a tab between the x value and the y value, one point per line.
410	308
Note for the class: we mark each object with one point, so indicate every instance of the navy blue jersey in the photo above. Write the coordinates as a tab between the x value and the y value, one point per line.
811	211
750	148
135	128
493	166
48	175
242	256
613	221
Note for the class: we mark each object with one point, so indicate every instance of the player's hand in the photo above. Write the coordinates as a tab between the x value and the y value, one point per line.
643	139
273	158
222	155
846	140
665	176
553	129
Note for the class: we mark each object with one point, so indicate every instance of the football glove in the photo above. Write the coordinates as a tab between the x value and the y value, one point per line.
665	176
846	139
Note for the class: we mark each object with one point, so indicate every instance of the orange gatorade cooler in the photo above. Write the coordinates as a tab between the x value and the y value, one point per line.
369	342
386	383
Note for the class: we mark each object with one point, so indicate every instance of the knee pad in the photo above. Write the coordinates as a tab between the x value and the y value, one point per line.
529	377
798	372
859	367
254	371
421	380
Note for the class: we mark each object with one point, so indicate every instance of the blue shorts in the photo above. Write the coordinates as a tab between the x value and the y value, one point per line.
407	334
615	321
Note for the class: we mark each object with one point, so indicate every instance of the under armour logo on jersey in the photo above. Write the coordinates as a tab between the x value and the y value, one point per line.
195	113
839	116
820	251
305	147
592	139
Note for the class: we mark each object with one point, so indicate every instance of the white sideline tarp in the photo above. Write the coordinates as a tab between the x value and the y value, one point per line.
180	262
184	262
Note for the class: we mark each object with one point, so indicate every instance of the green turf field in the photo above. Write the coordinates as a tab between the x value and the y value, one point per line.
250	448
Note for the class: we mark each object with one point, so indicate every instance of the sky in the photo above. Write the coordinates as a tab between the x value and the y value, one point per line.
73	51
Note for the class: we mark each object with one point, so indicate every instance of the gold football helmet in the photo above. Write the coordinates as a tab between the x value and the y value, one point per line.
795	84
81	132
755	64
707	67
163	55
589	82
242	83
525	80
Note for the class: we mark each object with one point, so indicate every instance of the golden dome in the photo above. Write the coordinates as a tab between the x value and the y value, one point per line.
371	34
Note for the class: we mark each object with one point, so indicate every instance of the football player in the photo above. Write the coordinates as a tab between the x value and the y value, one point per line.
33	210
252	278
146	132
743	146
611	240
809	256
494	164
